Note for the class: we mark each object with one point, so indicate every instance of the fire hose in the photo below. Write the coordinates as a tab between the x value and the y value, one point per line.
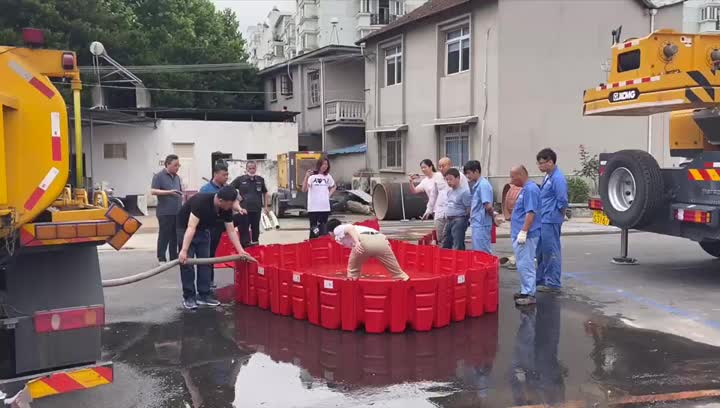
108	283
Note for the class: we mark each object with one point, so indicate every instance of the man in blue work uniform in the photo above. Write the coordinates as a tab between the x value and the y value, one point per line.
220	178
525	233
481	213
553	202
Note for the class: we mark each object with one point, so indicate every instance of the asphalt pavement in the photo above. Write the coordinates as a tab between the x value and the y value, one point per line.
616	330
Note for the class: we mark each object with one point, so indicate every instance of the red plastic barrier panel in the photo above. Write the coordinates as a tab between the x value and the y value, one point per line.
491	265
262	285
330	302
376	304
321	251
280	301
242	284
298	294
443	311
446	261
459	305
312	291
475	279
422	295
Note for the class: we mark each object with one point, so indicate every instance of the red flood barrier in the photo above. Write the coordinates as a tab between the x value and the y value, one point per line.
307	281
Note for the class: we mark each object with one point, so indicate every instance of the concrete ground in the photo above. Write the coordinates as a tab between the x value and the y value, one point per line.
616	330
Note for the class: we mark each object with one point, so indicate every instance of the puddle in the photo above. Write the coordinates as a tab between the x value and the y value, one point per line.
560	350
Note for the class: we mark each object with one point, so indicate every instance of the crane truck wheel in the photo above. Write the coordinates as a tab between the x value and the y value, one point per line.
631	189
712	247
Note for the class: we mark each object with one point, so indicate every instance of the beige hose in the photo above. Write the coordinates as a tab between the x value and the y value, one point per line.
162	268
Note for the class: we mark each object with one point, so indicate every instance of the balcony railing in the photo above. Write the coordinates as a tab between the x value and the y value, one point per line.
382	18
343	111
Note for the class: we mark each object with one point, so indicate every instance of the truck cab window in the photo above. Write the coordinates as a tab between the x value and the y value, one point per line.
628	61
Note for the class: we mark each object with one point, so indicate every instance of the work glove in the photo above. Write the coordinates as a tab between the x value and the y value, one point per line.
522	237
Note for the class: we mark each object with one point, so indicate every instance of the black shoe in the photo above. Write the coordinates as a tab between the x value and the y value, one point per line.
209	301
190	304
518	295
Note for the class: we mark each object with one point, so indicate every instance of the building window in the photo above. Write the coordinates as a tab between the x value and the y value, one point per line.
256	156
314	89
286	86
455	140
457	45
115	151
391	151
393	65
273	90
397	8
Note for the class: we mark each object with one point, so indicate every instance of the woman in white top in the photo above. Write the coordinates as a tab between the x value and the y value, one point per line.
319	185
433	184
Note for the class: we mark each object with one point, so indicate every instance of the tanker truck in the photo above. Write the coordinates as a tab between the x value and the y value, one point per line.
667	71
51	297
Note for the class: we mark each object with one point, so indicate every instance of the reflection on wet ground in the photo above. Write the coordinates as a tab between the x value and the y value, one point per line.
560	350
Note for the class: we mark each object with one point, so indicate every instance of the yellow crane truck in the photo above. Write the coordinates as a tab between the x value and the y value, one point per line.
51	296
666	71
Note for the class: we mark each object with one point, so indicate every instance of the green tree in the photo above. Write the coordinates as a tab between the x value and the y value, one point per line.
146	32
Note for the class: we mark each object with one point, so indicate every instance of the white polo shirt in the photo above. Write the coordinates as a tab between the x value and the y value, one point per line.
344	239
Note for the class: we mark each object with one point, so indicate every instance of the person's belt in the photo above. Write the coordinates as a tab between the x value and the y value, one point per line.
455	217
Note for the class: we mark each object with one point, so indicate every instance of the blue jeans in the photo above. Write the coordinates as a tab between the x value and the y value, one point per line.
549	256
525	258
199	248
482	238
455	233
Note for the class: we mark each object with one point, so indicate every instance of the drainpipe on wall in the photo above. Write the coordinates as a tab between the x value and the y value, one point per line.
652	12
322	103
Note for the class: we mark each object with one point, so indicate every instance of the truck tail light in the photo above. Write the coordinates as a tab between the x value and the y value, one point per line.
69	319
595	204
694	216
68	61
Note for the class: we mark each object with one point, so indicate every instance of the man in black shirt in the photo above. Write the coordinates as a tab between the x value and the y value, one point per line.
197	216
255	196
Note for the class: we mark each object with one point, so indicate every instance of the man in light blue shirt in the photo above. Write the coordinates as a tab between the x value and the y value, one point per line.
481	213
553	202
525	233
457	211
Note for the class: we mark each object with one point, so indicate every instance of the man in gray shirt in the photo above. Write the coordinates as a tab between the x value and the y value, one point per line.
167	186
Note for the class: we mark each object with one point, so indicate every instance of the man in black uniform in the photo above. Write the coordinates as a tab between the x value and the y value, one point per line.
255	196
197	216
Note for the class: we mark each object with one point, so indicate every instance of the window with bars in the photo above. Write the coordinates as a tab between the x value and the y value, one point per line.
115	151
457	46
391	151
456	143
314	89
393	65
286	86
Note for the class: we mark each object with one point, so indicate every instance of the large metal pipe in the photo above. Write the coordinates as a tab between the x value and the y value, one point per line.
388	204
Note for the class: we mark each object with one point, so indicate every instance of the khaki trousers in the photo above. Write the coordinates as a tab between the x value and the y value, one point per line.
378	246
440	226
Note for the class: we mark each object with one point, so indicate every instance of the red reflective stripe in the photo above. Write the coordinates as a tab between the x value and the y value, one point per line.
34	198
63	383
105	372
56	148
40	86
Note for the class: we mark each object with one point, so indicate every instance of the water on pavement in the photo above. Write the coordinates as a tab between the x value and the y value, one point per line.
559	350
